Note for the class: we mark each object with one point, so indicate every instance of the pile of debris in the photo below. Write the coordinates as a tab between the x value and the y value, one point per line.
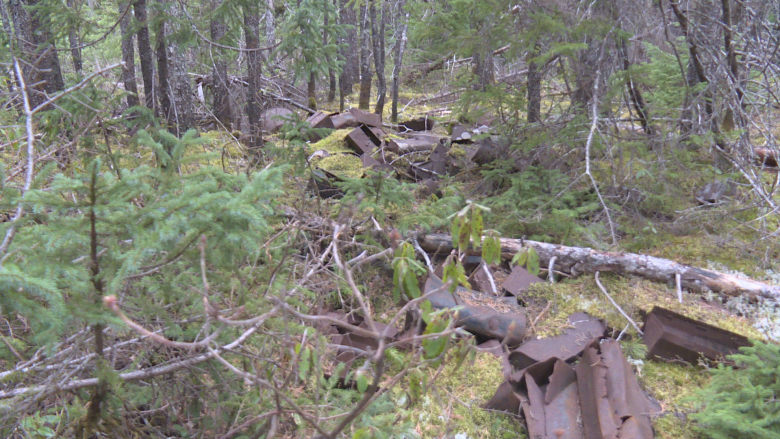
411	151
574	385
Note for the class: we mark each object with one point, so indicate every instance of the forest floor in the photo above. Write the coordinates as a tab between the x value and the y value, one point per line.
668	223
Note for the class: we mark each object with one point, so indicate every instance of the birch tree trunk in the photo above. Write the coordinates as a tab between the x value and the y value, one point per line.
402	21
581	260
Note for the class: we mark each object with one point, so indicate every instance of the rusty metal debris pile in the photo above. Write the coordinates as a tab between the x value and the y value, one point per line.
411	150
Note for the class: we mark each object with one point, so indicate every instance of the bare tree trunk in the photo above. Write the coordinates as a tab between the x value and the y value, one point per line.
163	76
348	53
311	90
378	42
331	73
183	97
534	87
270	29
220	89
252	37
75	50
483	68
365	61
145	54
729	120
128	56
398	53
580	260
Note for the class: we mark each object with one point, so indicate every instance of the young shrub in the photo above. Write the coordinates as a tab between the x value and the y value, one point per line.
742	401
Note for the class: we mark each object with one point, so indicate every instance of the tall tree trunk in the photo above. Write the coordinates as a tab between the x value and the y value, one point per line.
634	92
36	46
312	90
145	54
183	97
331	73
365	61
270	29
483	68
729	119
251	35
73	39
398	54
128	56
348	52
163	75
534	86
378	42
219	72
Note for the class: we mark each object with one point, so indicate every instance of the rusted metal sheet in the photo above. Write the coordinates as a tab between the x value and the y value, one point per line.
376	165
422	123
480	314
361	140
483	279
319	120
370	119
565	346
766	156
460	134
324	184
430	187
434	167
673	336
272	120
485	152
519	280
405	146
504	400
549	398
611	401
344	120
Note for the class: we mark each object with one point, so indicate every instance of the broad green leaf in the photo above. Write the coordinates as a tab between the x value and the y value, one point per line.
520	257
363	433
456	230
451	272
465	233
410	285
533	262
362	382
304	363
425	310
476	226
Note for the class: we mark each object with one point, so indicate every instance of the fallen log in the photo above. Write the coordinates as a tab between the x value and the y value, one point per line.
580	260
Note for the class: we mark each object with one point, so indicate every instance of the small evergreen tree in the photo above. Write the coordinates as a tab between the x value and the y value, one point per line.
743	401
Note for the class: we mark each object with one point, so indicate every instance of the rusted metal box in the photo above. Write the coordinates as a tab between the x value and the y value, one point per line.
673	336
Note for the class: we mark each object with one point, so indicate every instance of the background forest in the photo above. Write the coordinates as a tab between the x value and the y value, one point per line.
170	267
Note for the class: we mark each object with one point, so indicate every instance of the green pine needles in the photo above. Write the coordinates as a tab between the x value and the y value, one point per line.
743	401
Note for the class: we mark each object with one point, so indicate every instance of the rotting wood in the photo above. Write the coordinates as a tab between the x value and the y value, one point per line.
581	260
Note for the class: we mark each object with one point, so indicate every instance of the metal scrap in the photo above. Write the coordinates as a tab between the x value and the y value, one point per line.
565	346
366	118
519	280
673	336
362	140
480	314
423	123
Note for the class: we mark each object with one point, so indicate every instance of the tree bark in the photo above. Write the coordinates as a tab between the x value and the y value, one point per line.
398	55
378	43
483	68
75	50
729	119
634	92
183	96
365	61
311	90
331	73
219	74
128	56
163	76
145	54
252	37
348	52
580	260
534	86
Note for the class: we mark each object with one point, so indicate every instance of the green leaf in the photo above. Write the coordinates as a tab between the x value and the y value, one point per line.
363	433
533	262
425	310
456	230
433	347
451	272
520	257
411	286
476	226
465	232
362	382
304	364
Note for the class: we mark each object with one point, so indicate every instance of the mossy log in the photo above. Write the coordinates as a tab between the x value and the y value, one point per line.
580	260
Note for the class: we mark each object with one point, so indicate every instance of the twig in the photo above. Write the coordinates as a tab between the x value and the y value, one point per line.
424	255
551	270
678	280
604	290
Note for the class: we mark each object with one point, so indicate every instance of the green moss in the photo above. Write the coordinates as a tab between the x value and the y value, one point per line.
343	165
335	143
453	402
672	385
